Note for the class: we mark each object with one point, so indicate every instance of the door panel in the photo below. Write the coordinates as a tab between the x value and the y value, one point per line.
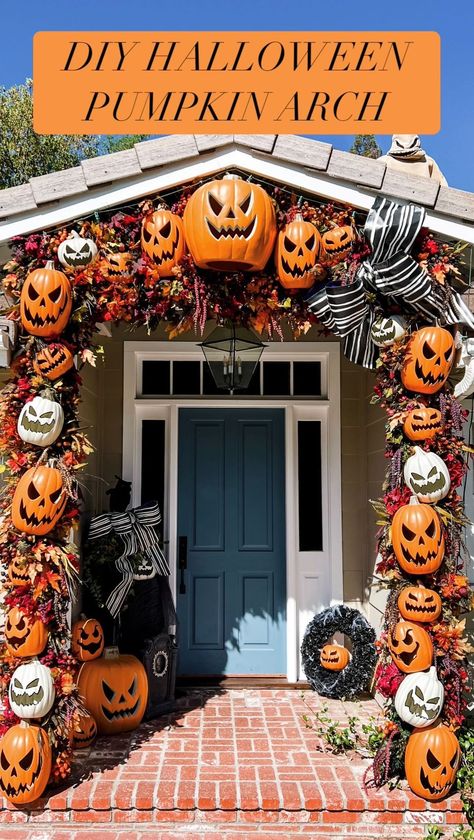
231	506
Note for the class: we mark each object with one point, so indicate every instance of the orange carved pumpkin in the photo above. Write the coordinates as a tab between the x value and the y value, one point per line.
334	657
87	639
39	500
163	240
45	302
411	647
115	691
24	636
116	264
417	603
53	361
230	225
417	538
337	243
422	423
84	732
25	763
428	360
432	758
18	573
296	254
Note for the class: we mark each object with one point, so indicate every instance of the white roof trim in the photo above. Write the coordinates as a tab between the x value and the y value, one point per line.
132	189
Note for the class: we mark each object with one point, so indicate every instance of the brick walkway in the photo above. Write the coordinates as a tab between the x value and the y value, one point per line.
233	765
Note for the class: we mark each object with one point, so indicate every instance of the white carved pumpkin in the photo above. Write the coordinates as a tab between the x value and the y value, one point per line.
40	421
31	690
386	331
77	252
419	698
144	568
427	476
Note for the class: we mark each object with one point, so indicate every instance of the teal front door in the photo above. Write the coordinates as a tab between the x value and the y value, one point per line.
231	532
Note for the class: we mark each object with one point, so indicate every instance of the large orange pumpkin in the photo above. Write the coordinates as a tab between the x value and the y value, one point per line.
423	423
25	763
39	500
53	361
24	636
410	646
163	240
87	639
115	691
417	603
45	302
230	225
417	538
428	360
296	254
334	657
432	758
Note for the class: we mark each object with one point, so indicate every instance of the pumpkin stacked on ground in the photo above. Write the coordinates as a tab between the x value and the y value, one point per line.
114	688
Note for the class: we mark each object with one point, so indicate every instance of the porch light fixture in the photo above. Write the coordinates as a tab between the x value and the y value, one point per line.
232	355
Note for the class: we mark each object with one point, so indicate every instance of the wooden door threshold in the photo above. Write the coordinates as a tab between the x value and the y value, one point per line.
236	681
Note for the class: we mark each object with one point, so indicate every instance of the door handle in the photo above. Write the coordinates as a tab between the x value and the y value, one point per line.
182	562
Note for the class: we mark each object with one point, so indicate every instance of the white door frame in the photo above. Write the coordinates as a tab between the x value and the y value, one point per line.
314	579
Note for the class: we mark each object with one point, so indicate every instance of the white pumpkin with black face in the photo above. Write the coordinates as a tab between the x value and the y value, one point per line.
77	252
40	422
386	331
427	476
31	691
144	569
419	698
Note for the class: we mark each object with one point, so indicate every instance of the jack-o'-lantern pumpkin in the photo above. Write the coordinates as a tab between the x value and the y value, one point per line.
296	254
18	572
115	691
163	240
423	423
428	360
337	243
87	639
76	252
334	657
417	603
419	698
25	763
432	758
40	421
84	732
230	225
53	361
117	264
31	691
388	330
39	500
410	646
427	476
45	302
24	636
417	538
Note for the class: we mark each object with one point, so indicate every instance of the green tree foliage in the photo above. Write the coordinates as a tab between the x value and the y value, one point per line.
23	153
366	145
123	142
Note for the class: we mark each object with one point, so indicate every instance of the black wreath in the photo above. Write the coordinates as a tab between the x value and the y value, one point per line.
356	676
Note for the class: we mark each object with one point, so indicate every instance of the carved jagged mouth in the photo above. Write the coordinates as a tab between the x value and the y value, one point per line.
428	378
12	792
417	609
407	656
420	559
92	647
36	425
28	699
338	249
81	739
235	232
166	255
296	270
23	576
421	710
430	487
433	789
383	336
122	713
77	259
32	519
49	366
38	320
17	641
426	427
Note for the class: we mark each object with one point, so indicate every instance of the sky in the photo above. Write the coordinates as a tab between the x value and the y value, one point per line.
452	147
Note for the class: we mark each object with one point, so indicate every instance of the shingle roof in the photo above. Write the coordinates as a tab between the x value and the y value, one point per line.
309	154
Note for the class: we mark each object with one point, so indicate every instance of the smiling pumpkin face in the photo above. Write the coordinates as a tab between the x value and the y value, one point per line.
422	423
334	657
45	302
417	539
432	758
417	603
87	639
84	732
296	254
53	361
24	636
25	763
39	500
428	360
115	691
163	240
410	646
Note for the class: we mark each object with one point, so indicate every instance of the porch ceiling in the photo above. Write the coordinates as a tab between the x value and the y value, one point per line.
311	166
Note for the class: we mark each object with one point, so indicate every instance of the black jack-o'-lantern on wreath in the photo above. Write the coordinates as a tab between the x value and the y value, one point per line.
235	251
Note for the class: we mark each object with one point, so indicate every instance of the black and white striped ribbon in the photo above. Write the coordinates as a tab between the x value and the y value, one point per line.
136	528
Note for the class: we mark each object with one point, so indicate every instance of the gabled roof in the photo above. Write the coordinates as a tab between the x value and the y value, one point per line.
311	166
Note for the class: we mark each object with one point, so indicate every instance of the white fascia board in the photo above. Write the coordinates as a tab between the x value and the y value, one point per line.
132	189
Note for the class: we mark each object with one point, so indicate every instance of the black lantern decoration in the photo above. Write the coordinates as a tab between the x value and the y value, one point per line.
232	355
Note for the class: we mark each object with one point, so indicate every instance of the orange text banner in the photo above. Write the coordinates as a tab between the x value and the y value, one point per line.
247	82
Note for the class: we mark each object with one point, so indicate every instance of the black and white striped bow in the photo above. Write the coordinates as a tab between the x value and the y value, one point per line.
136	528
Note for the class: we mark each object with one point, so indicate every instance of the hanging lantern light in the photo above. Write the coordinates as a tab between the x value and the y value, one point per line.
232	355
